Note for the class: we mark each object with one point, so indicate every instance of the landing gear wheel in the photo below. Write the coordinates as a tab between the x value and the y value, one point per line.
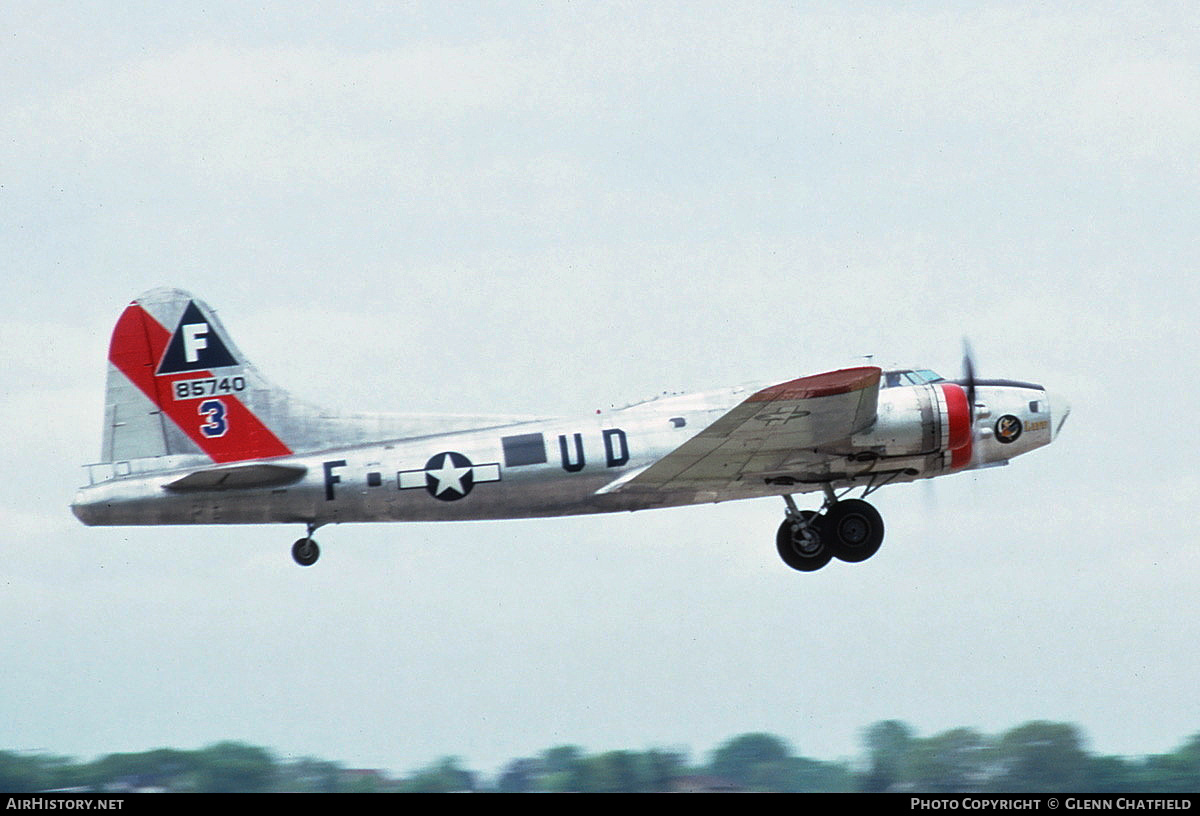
802	546
853	529
306	552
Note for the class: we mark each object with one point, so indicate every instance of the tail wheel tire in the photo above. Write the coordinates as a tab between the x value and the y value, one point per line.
802	546
306	552
853	529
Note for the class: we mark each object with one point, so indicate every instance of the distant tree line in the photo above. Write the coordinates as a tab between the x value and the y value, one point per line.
1034	757
1037	757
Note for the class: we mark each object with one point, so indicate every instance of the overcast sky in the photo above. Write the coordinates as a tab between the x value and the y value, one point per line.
549	208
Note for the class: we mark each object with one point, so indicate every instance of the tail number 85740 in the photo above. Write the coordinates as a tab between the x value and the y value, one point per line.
211	387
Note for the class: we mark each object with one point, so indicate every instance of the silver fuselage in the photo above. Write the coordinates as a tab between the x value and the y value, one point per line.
556	467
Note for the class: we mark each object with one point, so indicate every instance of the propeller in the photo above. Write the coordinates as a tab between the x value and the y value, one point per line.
967	383
968	365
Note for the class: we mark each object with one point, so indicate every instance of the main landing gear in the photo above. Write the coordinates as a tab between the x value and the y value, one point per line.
305	551
849	530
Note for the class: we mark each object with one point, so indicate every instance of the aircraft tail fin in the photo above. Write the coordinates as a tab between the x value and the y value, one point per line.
178	386
180	394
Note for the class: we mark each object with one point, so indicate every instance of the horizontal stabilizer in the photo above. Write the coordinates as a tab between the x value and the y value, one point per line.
239	477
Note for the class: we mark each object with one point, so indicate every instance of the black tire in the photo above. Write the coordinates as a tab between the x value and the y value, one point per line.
799	553
854	530
306	552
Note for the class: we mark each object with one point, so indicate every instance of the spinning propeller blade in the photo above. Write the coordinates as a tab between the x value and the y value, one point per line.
968	365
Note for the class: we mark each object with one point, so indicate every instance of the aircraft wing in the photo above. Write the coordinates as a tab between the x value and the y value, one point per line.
773	432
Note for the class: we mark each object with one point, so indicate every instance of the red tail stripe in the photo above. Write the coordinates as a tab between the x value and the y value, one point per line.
138	343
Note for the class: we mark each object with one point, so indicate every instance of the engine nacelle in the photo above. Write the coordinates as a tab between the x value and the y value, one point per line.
930	425
922	420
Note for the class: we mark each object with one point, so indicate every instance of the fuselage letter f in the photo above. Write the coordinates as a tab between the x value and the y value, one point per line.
330	478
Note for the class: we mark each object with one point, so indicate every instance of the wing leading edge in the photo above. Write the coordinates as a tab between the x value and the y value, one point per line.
776	430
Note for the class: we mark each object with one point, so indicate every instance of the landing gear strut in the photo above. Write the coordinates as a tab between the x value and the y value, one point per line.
305	551
850	530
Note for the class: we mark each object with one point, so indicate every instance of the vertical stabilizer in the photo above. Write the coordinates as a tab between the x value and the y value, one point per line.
181	394
178	386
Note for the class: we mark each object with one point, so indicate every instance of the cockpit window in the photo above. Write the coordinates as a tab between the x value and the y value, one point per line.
902	377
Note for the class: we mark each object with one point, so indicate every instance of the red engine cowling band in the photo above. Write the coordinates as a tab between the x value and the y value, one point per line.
958	423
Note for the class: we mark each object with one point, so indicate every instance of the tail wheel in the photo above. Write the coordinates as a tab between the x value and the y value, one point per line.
306	552
854	530
801	542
